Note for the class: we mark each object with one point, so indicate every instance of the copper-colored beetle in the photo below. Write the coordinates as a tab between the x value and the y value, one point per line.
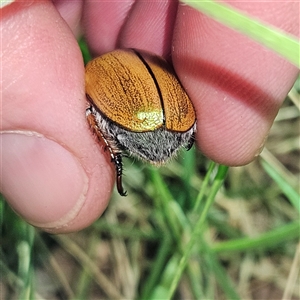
138	106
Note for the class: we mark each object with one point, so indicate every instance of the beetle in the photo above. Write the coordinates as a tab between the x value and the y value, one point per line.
137	106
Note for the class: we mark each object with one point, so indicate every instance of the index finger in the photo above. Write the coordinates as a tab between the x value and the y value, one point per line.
236	84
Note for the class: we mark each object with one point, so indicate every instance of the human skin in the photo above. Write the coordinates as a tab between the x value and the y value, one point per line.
53	172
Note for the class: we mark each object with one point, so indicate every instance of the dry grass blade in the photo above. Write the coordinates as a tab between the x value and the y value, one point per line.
293	276
105	284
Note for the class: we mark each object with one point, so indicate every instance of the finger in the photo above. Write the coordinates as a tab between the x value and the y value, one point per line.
149	26
102	22
71	12
141	24
237	85
53	172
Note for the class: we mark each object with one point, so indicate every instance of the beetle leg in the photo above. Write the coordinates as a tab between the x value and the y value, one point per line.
115	155
116	158
119	171
190	143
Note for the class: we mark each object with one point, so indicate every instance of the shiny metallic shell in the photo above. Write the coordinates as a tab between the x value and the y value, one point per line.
138	91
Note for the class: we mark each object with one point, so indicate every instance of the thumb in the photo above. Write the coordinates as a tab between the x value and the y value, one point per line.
48	153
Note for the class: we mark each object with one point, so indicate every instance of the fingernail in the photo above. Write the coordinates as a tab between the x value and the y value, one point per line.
42	181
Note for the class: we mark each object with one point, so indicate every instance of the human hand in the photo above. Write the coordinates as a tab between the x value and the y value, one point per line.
54	174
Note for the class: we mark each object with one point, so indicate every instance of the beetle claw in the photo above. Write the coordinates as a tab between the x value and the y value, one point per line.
119	171
190	143
120	187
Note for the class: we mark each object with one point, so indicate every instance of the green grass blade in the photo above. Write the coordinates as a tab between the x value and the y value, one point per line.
282	43
84	50
222	277
204	185
222	171
284	185
157	268
265	241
